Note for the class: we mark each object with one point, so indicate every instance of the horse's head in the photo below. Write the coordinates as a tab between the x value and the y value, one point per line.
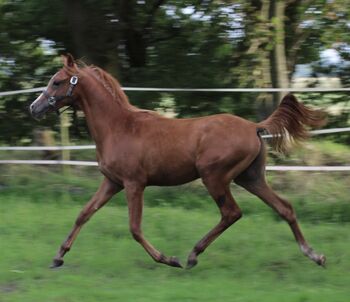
61	90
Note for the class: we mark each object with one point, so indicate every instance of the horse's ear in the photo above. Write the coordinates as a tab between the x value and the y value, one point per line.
68	60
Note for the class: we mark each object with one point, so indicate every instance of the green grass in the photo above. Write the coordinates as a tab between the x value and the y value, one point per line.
317	197
255	260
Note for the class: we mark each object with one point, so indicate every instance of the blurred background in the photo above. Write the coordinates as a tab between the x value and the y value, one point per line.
174	44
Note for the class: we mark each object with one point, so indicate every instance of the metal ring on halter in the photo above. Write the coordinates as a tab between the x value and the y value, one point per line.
74	80
52	100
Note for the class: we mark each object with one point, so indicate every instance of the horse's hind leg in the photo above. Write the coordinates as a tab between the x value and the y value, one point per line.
102	196
230	213
253	180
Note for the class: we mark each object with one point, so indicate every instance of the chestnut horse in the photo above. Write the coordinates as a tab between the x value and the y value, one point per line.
137	148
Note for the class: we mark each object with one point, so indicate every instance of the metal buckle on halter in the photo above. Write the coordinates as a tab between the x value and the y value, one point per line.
74	80
51	100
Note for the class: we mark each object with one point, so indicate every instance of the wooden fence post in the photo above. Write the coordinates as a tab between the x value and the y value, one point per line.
64	130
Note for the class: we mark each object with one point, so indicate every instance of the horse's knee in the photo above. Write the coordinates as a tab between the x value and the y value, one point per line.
136	233
238	215
86	214
287	213
232	217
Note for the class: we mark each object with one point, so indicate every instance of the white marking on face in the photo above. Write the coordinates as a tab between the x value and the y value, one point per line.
54	75
36	100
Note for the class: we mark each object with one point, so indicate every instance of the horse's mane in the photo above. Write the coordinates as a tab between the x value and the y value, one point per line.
110	83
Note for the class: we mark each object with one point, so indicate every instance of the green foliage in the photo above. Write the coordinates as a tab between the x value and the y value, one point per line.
27	67
337	108
173	43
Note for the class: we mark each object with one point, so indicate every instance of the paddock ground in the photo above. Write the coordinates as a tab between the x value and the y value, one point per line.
256	260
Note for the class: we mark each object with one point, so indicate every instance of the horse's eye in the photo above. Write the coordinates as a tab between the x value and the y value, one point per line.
56	83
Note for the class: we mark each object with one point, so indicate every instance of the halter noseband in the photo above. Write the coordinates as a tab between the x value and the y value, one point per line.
52	100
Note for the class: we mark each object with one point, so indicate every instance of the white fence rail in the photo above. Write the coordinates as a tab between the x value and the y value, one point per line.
157	89
86	147
92	163
49	162
46	148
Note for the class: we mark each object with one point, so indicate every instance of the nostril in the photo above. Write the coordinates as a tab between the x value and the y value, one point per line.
31	107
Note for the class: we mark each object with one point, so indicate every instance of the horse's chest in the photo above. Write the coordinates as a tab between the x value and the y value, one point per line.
121	169
112	168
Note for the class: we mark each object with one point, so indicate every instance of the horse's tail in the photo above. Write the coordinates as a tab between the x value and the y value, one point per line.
287	123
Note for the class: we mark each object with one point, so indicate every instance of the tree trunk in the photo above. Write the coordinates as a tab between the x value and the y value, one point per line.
280	60
76	19
265	100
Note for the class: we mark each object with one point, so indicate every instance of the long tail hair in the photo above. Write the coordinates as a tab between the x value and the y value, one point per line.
287	124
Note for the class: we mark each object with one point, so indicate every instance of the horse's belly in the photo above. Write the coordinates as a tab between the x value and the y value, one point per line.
172	176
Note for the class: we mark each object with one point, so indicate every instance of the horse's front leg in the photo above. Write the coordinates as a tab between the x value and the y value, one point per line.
105	192
134	194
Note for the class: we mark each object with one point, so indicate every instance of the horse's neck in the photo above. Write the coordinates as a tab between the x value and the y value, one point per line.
105	116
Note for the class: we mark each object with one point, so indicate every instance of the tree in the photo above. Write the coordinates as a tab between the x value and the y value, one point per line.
170	43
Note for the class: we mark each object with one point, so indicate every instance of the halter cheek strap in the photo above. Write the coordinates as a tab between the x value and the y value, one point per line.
52	100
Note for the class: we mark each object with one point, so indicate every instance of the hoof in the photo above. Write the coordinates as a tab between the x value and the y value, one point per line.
174	261
191	263
56	263
321	261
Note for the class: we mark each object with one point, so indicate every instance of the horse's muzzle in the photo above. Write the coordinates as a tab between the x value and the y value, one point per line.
39	108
